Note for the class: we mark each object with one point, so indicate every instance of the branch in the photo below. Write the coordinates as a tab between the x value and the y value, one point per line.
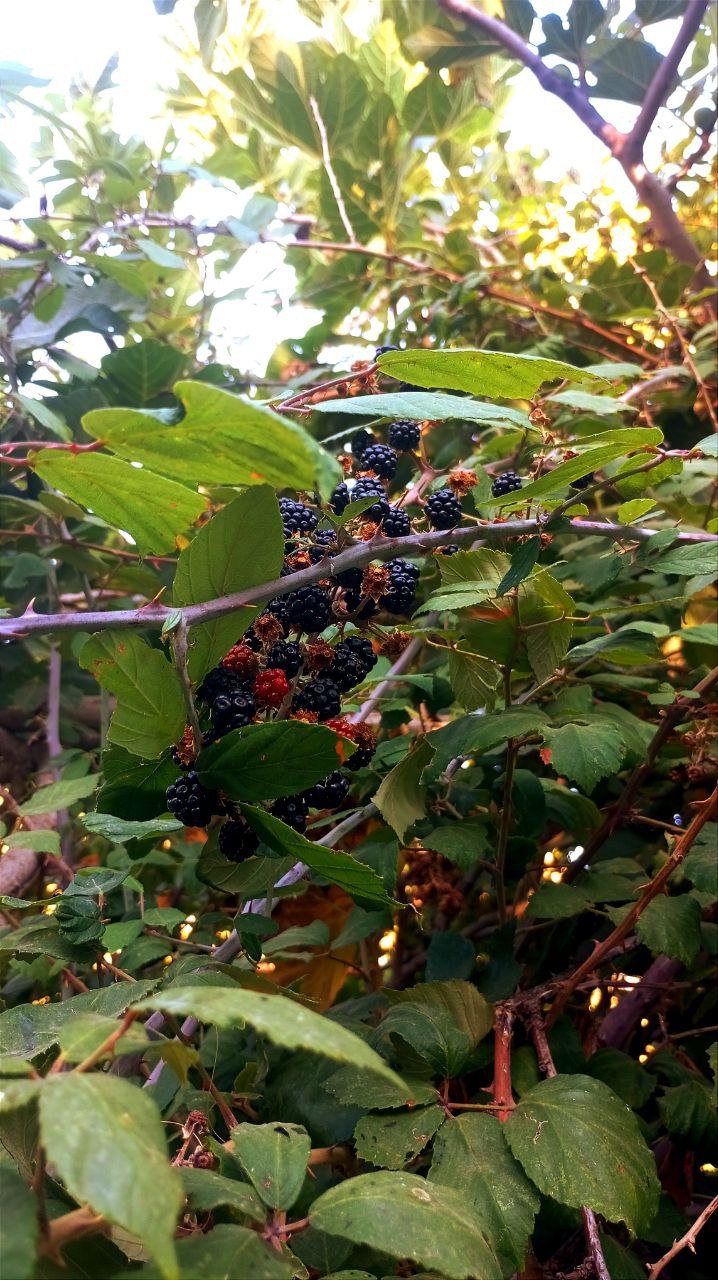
708	810
358	556
663	80
326	157
686	1242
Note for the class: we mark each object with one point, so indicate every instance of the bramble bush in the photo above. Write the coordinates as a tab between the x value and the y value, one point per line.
358	878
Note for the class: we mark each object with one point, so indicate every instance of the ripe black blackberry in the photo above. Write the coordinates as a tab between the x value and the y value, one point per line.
402	587
286	656
251	640
381	459
396	523
323	541
279	608
508	482
293	810
309	608
404	435
582	482
232	711
340	498
237	840
409	386
218	681
363	649
369	487
353	600
329	793
346	670
443	509
450	550
320	695
350	579
361	441
296	517
189	801
380	351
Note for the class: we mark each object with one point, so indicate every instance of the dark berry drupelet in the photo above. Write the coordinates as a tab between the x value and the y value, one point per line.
508	482
329	793
296	517
402	587
381	351
322	696
404	435
293	810
381	459
396	523
220	680
237	840
582	482
286	656
369	487
189	801
232	711
443	509
360	441
308	609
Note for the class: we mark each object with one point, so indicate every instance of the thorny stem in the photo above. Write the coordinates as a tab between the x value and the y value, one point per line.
504	827
503	1097
687	1241
179	652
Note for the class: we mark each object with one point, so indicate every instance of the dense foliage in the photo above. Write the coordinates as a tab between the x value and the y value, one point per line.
358	878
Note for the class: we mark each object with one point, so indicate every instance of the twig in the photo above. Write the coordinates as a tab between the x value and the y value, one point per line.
505	827
663	79
326	157
688	1241
502	1093
179	651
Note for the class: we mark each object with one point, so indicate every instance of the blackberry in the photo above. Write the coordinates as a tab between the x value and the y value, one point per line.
380	351
380	459
293	810
340	499
396	523
369	487
347	669
449	550
409	386
329	793
232	711
363	649
353	599
402	587
322	696
443	509
404	435
251	640
296	517
309	608
285	656
279	609
322	542
361	441
508	482
271	687
189	801
237	840
582	482
350	579
220	680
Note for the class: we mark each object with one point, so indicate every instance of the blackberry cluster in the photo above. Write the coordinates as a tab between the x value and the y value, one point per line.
404	435
219	681
396	523
329	793
237	840
296	517
508	482
381	459
380	351
320	696
368	487
285	656
403	578
189	801
353	660
443	509
293	810
308	609
360	441
232	711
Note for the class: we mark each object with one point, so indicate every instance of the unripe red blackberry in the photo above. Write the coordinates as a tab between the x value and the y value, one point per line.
320	695
237	840
443	509
508	482
404	435
271	687
381	459
189	801
241	660
396	523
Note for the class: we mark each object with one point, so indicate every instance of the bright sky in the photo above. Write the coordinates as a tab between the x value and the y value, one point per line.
77	37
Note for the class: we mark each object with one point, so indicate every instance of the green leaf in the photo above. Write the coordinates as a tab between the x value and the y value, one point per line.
466	1007
275	1158
495	374
474	679
105	1140
120	830
89	881
141	370
390	1141
687	561
699	865
150	712
245	879
265	761
421	407
623	1075
38	841
28	1030
351	1087
59	795
585	753
471	1155
152	509
450	955
557	902
159	255
207	1190
553	1127
672	927
634	510
587	403
401	798
79	920
554	482
623	68
229	1252
432	1033
407	1217
222	439
134	789
240	547
337	867
282	1021
19	1237
467	579
84	1035
522	563
688	1112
